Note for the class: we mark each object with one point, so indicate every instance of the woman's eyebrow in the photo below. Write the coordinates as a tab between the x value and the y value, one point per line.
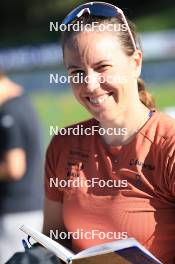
95	64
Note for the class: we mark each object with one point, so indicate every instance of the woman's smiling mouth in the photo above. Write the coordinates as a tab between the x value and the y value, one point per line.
99	100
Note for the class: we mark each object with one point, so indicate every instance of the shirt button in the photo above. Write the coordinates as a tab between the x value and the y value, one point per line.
116	160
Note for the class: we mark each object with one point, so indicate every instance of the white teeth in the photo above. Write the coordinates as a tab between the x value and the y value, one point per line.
99	100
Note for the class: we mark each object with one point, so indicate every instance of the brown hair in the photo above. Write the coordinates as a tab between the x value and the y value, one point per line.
125	40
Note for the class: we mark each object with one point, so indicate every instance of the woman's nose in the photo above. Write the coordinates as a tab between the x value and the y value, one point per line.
92	81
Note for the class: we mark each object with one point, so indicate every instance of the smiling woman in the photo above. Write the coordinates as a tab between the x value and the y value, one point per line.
108	79
110	63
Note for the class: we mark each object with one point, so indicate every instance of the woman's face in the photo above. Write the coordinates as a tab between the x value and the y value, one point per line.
110	85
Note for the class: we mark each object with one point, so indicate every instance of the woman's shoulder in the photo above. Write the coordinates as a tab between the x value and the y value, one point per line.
167	132
161	131
165	125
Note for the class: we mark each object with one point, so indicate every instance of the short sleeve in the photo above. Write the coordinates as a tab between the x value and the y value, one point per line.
51	159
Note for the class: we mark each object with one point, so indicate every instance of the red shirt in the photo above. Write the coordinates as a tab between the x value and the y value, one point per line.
142	202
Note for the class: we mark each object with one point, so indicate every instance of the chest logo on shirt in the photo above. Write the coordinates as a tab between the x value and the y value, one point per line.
138	181
136	162
74	168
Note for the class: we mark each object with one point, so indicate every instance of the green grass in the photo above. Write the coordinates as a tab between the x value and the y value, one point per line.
164	95
58	108
61	109
163	19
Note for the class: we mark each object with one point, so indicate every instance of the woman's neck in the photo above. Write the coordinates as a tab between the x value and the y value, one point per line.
133	119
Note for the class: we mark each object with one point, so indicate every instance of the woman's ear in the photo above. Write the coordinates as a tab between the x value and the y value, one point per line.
137	59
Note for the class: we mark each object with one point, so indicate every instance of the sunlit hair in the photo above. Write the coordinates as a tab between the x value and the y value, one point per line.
125	41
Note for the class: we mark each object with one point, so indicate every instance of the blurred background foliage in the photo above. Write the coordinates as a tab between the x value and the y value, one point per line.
24	21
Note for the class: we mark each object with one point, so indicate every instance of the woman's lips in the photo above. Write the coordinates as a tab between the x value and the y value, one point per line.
99	100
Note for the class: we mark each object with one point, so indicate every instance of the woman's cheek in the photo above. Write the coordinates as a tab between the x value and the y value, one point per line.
77	94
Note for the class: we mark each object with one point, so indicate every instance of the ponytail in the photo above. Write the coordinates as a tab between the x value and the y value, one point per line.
145	97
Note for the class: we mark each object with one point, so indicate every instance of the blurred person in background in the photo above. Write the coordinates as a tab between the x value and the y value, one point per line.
20	167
